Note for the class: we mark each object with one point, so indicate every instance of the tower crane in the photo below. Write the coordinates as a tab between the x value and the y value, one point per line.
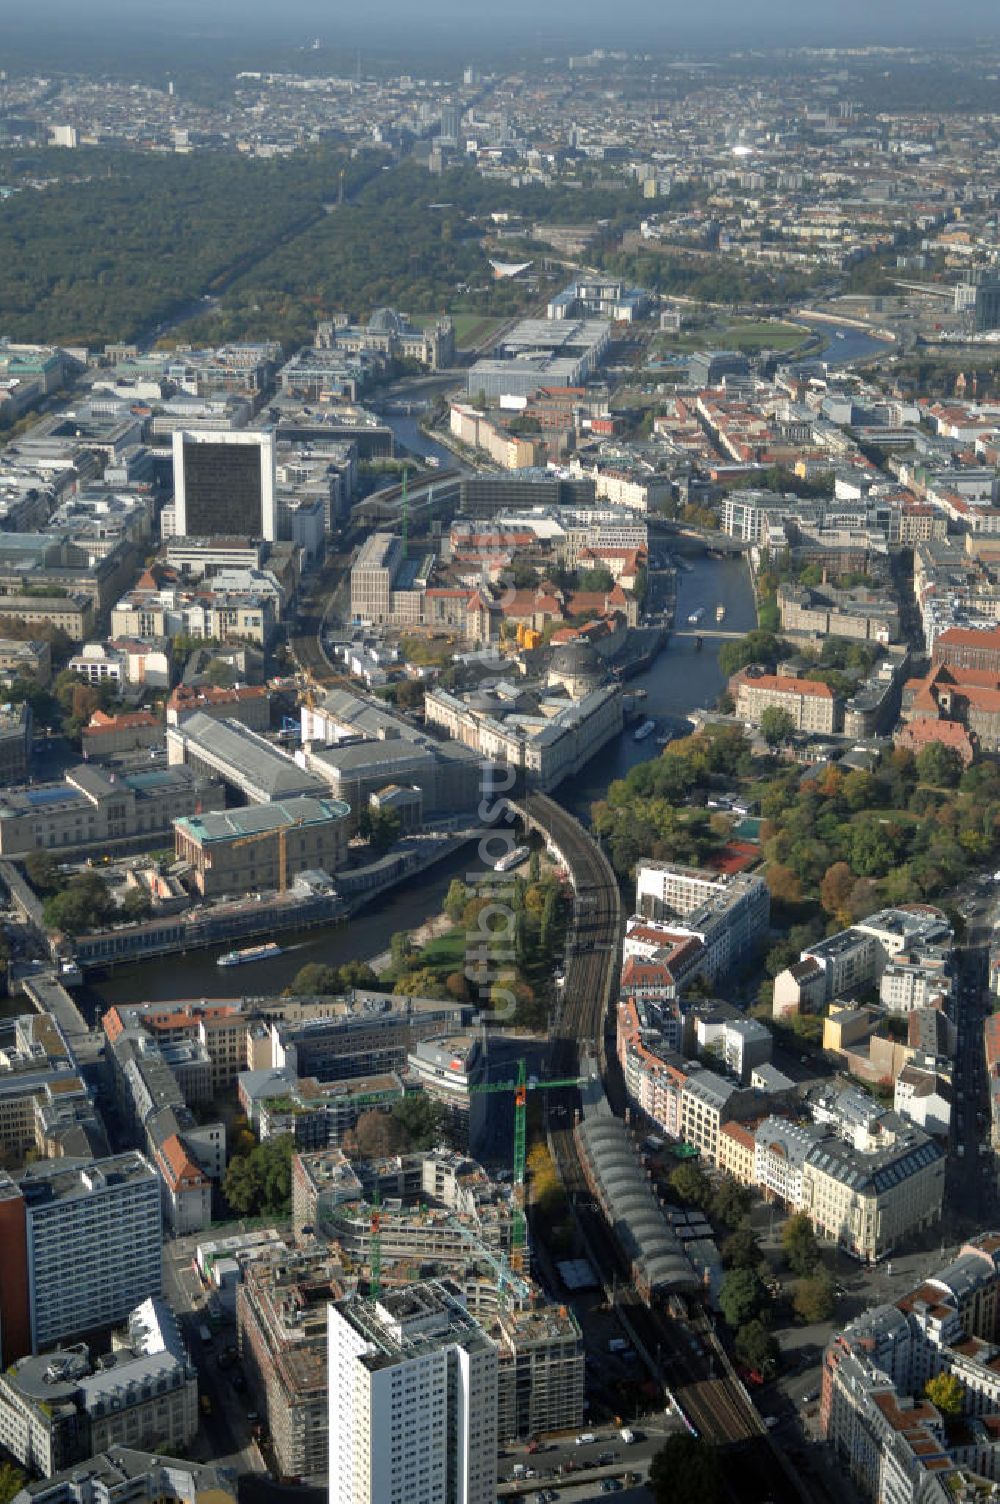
519	1088
268	835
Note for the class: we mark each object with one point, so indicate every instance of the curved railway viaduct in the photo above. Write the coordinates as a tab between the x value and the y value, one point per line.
712	1399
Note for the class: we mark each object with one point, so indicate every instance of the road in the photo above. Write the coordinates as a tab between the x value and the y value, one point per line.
972	1184
559	1462
224	1433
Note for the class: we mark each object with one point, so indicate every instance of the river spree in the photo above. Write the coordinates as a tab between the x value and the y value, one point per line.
679	680
846	344
367	934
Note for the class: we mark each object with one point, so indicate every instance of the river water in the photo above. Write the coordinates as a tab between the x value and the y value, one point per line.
367	934
847	344
680	679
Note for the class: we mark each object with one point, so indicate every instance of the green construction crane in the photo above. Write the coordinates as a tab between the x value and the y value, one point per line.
375	1253
520	1089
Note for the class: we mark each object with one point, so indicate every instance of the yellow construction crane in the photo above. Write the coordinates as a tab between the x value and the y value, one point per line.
267	835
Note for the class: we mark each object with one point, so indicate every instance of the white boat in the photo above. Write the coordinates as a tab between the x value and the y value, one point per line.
250	953
646	729
512	859
696	616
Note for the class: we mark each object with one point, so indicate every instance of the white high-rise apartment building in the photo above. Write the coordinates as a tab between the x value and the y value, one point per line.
94	1243
413	1400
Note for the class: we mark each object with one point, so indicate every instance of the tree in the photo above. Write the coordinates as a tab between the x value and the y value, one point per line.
410	694
835	891
547	1193
83	904
12	1480
741	1250
756	1348
378	1134
455	899
379	826
939	765
274	1158
685	1468
860	790
42	874
799	1244
136	905
690	1183
240	1140
814	1298
776	725
241	1184
400	947
422	981
599	579
784	884
261	1182
730	1202
314	980
756	647
421	1118
871	850
742	1296
355	974
946	1392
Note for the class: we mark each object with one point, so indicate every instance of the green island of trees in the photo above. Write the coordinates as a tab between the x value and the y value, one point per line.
502	962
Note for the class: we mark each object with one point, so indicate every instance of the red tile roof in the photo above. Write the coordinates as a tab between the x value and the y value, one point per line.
783	684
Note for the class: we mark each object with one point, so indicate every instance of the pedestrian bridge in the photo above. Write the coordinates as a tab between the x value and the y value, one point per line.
715	632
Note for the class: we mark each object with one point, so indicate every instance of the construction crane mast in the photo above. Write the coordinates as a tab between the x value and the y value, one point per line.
268	835
375	1248
519	1089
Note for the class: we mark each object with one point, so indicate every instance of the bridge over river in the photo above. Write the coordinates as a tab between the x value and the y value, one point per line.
714	632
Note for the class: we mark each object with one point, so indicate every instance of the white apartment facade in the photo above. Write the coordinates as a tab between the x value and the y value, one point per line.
905	985
94	1243
413	1400
729	915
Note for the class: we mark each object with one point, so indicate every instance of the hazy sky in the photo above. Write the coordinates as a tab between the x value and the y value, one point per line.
393	23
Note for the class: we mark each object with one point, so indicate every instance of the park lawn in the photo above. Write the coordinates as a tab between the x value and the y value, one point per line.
472	328
445	953
762	335
886	817
680	344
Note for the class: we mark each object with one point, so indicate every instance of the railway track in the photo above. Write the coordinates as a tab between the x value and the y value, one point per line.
714	1403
